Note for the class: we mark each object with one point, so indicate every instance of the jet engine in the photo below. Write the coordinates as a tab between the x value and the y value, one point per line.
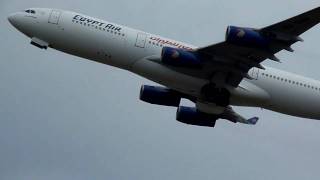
246	37
180	57
159	96
191	116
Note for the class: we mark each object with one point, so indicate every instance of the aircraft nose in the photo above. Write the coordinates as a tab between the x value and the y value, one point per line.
13	19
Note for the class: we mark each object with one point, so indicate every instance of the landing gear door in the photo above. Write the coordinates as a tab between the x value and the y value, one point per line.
54	17
141	40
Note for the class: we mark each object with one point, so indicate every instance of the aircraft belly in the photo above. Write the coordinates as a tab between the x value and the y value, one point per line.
168	77
248	94
296	103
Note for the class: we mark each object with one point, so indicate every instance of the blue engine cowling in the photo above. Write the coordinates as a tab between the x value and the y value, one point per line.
159	96
180	57
191	116
246	37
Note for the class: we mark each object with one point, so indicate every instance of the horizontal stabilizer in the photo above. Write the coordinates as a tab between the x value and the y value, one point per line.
230	115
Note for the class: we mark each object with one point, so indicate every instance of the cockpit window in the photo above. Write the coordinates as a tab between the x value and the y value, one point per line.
30	11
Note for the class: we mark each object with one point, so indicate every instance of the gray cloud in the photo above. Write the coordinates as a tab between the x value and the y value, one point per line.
66	118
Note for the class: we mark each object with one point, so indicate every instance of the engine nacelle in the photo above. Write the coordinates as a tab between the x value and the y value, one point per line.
192	116
246	37
159	96
180	57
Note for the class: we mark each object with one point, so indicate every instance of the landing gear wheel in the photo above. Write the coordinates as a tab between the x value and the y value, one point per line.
219	96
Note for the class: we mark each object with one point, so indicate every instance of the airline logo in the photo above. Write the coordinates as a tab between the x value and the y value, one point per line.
241	33
175	55
97	23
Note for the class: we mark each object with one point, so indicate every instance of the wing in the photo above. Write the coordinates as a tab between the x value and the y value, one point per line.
239	56
297	25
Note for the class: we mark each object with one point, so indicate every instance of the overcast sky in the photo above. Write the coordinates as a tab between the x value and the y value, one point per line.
62	117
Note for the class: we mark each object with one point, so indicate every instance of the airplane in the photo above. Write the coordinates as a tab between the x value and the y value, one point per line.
215	78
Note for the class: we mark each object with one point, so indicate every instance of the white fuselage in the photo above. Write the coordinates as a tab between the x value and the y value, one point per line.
128	48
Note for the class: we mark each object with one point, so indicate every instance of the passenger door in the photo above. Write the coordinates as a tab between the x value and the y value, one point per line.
54	17
255	73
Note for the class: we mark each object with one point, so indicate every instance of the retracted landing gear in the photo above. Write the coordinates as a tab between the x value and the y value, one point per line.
219	96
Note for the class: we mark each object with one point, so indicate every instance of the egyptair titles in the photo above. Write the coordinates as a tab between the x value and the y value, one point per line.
97	23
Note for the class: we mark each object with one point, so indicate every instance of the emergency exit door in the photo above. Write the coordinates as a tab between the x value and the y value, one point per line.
141	40
54	17
255	73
